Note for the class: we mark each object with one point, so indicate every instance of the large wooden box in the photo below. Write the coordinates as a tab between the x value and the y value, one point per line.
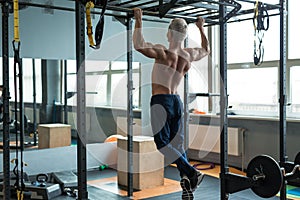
54	135
148	163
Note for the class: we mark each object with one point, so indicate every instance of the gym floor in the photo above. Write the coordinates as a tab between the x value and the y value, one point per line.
104	184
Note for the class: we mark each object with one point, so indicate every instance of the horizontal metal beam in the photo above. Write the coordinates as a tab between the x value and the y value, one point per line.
254	2
210	17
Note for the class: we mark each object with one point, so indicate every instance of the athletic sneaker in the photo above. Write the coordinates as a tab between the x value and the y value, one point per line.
187	193
196	180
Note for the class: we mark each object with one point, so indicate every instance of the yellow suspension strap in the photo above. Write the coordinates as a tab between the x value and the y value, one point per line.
100	25
16	21
88	7
17	63
255	15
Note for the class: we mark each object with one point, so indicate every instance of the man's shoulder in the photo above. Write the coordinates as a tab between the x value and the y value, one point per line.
160	46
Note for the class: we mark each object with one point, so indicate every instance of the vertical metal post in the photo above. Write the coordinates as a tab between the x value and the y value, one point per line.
66	92
210	75
81	102
282	99
186	107
5	94
223	100
34	102
129	109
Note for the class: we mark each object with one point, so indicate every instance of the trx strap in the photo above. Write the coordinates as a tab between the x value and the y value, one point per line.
18	73
100	25
261	17
16	21
18	69
261	24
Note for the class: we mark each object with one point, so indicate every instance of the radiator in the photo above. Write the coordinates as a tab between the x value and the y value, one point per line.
207	138
201	137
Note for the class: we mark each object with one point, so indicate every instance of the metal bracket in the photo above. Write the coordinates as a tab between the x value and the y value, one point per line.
130	85
236	182
234	11
48	9
122	20
164	8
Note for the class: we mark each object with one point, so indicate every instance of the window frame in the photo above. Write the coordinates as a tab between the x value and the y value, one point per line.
270	63
109	73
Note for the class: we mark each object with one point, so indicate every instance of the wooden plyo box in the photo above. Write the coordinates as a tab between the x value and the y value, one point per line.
148	163
54	135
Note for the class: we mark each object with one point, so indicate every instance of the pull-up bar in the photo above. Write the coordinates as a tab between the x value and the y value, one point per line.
193	96
188	10
155	12
189	19
203	94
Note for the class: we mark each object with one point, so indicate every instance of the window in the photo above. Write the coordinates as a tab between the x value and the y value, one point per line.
119	84
96	90
253	91
38	79
106	83
194	38
198	83
295	92
198	74
27	65
294	32
241	47
28	80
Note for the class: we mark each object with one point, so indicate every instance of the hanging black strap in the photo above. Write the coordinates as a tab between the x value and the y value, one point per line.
100	25
18	82
258	49
261	24
261	17
16	49
18	70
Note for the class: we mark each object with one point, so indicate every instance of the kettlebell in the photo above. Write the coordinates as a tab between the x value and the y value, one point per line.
41	180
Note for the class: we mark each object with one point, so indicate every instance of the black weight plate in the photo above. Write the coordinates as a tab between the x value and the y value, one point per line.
297	159
271	184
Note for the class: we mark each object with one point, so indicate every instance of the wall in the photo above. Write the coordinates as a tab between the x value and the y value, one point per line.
45	35
261	137
52	36
100	122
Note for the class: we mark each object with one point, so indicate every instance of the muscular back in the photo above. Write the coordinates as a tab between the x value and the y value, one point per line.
168	70
170	64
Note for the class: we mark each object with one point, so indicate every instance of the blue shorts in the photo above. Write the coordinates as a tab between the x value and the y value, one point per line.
167	127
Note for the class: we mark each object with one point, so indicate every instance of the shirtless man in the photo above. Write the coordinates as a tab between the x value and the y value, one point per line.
166	106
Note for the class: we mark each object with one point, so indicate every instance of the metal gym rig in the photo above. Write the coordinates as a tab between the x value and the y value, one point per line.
216	13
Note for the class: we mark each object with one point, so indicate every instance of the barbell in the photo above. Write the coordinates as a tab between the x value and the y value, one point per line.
264	176
297	159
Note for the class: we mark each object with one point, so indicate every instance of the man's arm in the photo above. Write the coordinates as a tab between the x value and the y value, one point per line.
146	48
199	53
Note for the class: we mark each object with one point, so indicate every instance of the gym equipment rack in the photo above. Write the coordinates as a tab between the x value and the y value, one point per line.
216	12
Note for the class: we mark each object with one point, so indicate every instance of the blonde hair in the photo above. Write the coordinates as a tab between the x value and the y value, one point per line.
178	28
